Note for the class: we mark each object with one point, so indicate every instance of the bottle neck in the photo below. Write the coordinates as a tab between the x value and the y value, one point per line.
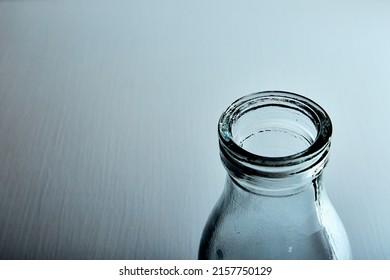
276	181
271	187
299	205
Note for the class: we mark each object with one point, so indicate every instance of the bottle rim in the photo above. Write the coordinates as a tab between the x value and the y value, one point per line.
240	160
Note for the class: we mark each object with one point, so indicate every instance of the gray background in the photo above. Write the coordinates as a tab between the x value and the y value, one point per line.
109	109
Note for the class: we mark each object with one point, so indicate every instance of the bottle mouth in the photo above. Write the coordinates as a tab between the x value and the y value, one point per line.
274	134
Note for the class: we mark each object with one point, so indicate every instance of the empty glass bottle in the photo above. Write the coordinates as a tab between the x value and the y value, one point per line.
274	146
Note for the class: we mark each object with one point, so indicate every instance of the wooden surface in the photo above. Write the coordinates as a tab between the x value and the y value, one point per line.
108	114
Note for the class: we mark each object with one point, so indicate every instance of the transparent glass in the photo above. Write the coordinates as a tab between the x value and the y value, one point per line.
274	146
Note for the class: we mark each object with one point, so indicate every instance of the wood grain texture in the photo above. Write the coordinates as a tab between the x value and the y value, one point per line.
108	113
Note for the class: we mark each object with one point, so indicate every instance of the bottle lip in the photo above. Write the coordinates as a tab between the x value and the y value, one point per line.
280	166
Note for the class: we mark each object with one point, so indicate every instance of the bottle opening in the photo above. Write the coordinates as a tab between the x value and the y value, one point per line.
272	130
274	134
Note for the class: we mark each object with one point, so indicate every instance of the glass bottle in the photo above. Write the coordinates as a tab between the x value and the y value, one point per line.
274	146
